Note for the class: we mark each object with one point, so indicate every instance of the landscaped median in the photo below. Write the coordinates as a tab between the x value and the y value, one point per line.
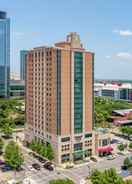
45	150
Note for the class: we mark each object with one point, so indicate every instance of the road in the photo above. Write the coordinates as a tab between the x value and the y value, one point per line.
43	176
83	171
76	174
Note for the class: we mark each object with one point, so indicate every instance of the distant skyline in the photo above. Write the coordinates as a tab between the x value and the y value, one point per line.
105	27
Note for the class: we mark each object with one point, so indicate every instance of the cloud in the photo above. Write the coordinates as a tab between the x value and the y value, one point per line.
124	55
125	33
108	57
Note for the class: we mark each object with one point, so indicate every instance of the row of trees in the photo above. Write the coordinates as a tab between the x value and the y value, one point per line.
107	177
42	149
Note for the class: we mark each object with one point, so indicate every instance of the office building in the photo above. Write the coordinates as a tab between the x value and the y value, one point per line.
4	54
115	91
14	76
23	56
17	88
59	98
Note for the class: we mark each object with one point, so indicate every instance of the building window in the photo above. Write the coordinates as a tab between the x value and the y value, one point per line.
88	135
65	147
104	142
65	158
65	139
88	143
78	147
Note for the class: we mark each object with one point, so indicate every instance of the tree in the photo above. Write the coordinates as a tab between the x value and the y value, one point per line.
106	177
126	130
49	152
61	181
130	145
42	149
104	108
96	177
13	155
1	145
121	147
128	162
7	127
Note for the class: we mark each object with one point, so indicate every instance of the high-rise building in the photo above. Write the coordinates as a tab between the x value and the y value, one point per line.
23	56
4	54
59	98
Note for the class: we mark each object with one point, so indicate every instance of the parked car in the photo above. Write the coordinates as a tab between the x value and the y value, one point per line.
121	153
6	168
2	162
94	159
31	168
124	167
110	157
36	166
42	160
49	166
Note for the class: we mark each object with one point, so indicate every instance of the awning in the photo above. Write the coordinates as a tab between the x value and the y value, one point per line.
105	149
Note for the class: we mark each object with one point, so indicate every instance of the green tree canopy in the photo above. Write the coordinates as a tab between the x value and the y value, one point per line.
42	149
104	108
121	147
128	162
1	144
61	181
13	155
126	130
7	127
106	177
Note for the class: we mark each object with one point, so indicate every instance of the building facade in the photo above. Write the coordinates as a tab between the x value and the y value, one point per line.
17	88
116	91
59	98
4	54
23	56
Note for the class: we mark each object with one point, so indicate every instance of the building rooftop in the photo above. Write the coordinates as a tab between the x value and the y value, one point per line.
122	112
102	130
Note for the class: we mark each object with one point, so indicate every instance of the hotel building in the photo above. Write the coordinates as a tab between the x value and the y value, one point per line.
59	98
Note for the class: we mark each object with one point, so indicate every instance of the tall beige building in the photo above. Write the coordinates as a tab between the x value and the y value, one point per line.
59	98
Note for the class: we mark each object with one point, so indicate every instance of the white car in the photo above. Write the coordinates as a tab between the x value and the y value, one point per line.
111	157
31	168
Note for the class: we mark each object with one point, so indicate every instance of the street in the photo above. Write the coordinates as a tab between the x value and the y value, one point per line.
76	174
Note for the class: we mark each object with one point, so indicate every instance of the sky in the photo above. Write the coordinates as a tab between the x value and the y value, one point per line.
105	28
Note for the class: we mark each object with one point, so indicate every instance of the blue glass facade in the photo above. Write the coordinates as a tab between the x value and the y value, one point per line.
23	56
4	55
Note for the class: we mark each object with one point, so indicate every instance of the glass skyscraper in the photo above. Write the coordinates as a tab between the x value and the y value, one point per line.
23	55
4	54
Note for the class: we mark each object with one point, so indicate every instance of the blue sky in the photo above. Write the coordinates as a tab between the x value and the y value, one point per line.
105	27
